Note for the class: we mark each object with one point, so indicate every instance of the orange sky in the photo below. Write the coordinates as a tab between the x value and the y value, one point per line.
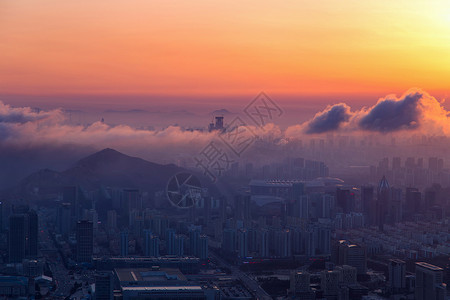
179	47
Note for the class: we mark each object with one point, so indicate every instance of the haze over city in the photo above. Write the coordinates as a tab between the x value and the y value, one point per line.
256	150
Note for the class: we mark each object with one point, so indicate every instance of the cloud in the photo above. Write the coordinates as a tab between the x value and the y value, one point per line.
330	119
9	114
415	110
392	114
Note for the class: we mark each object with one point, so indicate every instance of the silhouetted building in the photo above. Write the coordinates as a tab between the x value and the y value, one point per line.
23	236
104	286
85	241
63	219
397	274
368	204
170	241
124	243
429	282
203	247
347	253
300	285
16	240
345	199
383	194
218	125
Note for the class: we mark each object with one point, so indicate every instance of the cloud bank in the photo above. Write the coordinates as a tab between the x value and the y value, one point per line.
330	119
414	110
31	139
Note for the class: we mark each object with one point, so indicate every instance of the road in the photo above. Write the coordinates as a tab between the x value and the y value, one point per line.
249	282
60	273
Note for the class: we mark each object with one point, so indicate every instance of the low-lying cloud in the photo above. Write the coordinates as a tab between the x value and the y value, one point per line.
392	114
28	135
414	110
330	119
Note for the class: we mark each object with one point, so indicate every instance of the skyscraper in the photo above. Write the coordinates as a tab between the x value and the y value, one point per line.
429	282
383	194
194	234
367	203
179	245
104	286
170	241
16	238
397	274
351	254
151	244
203	247
23	236
63	219
300	285
242	243
85	241
124	243
263	243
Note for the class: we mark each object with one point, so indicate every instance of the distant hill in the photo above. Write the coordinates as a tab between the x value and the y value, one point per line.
222	111
107	167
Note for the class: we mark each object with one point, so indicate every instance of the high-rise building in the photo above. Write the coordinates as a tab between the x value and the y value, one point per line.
170	241
151	245
71	195
367	203
203	247
229	240
429	282
112	219
194	234
345	199
263	243
63	219
351	254
413	199
383	194
16	238
23	236
348	274
179	245
124	243
397	274
242	237
283	243
329	282
300	285
104	286
85	241
1	216
396	163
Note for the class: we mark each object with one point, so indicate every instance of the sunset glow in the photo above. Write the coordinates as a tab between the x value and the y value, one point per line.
223	48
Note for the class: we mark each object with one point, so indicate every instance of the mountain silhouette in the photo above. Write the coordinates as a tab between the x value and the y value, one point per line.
107	167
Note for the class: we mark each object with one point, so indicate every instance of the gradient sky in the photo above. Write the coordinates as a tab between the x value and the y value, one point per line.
219	48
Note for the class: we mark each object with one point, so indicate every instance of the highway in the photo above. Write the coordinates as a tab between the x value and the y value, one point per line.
61	275
249	282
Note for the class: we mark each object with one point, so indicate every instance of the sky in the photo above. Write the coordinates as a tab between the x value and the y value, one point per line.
129	53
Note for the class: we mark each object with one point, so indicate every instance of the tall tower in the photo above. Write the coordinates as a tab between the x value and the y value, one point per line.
429	282
16	238
382	202
23	236
85	241
124	243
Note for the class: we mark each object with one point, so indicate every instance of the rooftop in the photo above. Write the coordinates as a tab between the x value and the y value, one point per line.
429	266
149	275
